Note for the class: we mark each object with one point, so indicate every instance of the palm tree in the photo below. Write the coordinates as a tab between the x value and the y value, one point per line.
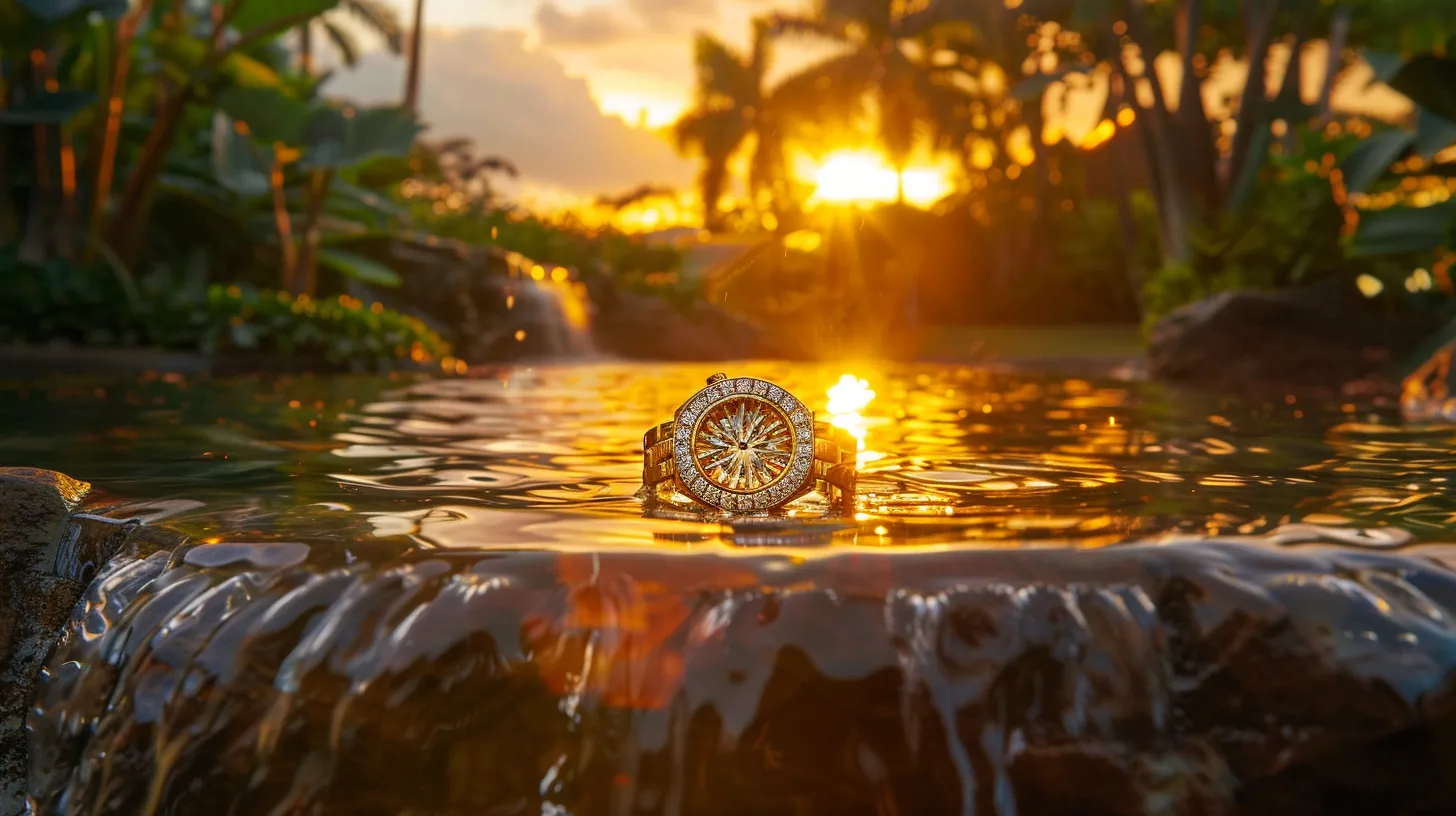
876	65
733	106
416	52
376	17
729	107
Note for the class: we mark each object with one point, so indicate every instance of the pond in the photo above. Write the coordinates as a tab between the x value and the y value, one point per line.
444	595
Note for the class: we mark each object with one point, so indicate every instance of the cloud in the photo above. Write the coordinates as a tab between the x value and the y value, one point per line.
601	25
595	25
674	16
484	84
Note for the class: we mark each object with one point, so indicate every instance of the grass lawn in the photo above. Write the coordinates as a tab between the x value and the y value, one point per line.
1012	343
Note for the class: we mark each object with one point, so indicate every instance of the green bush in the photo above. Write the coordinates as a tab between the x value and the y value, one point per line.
342	331
1290	233
105	306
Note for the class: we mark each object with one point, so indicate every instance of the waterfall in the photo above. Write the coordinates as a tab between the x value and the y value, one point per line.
555	316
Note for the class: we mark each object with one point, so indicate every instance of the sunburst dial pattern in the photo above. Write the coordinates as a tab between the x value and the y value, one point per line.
743	444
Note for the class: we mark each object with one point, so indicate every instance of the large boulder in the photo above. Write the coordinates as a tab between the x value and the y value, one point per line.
35	511
48	554
636	325
1323	336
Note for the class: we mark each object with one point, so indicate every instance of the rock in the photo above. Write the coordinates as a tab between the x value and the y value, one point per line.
1428	394
1323	336
641	326
48	553
35	512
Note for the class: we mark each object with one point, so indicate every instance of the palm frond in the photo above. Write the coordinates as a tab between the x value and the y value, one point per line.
342	41
713	132
833	90
877	16
723	73
497	164
380	18
760	59
635	196
806	26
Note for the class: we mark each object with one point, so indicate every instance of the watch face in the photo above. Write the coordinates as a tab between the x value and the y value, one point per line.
743	444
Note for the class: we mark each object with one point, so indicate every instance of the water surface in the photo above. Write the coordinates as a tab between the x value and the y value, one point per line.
552	456
444	596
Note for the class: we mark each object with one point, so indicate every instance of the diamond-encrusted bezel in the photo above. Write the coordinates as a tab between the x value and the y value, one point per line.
796	476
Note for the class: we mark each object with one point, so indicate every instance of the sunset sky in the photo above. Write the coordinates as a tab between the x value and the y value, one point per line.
574	91
561	87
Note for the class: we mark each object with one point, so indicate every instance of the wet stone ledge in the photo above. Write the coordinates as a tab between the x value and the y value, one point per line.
1216	677
48	553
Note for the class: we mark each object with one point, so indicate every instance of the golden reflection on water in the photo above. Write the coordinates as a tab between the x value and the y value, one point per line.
950	457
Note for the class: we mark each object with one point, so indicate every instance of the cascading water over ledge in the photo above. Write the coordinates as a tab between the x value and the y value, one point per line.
1210	677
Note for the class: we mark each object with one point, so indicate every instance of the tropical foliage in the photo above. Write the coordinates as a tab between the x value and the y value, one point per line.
1258	182
171	174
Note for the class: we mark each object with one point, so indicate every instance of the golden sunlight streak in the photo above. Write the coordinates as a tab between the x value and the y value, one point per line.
863	176
847	398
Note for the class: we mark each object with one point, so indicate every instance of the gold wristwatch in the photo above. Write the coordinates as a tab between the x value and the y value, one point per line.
747	445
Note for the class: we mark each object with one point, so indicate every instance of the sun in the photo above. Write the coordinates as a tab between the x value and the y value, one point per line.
865	177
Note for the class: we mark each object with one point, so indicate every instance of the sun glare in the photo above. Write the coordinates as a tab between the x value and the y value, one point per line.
644	110
863	176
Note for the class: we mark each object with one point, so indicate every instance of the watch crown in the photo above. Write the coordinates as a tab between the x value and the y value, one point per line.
719	377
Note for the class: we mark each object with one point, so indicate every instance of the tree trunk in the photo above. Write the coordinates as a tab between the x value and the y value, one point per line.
1163	143
110	133
1162	163
283	224
715	174
1339	34
134	214
41	217
1289	88
1201	156
412	77
305	48
126	233
318	194
1251	114
1126	222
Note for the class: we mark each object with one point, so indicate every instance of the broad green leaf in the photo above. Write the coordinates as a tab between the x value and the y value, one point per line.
344	137
1430	81
1433	133
1244	184
248	72
186	57
270	115
367	200
358	267
238	163
1401	230
47	109
1384	64
53	11
1421	354
1372	158
260	15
